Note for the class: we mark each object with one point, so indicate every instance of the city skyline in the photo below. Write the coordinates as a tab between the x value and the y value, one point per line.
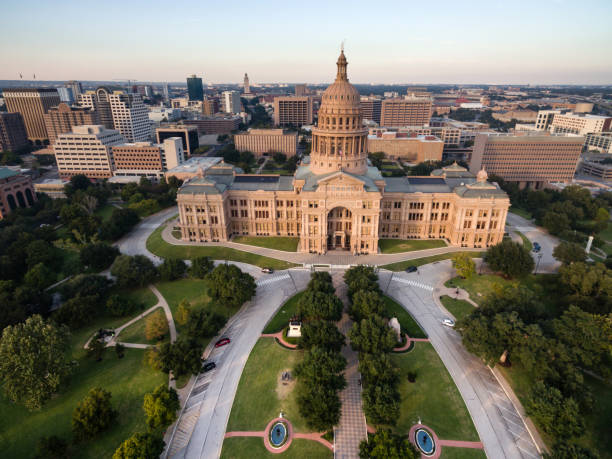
546	43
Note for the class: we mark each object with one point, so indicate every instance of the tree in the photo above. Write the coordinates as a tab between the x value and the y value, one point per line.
98	255
77	311
569	252
556	415
314	304
321	281
377	159
203	324
39	277
183	357
361	278
133	271
365	303
33	362
372	335
52	447
321	333
160	407
567	450
384	444
375	369
146	445
381	403
555	222
322	367
279	158
121	305
464	265
230	286
200	267
96	349
172	269
509	257
93	414
319	405
79	182
182	314
40	251
156	325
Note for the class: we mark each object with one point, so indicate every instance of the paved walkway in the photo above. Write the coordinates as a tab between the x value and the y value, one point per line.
439	443
409	340
352	427
280	338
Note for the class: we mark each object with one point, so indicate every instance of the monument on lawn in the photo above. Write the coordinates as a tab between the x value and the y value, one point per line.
395	325
295	328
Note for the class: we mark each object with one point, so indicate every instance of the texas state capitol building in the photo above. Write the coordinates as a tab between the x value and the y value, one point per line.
337	200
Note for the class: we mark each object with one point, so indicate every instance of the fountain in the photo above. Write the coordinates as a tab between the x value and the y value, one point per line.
425	442
278	434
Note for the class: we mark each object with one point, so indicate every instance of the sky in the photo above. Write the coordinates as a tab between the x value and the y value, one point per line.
480	42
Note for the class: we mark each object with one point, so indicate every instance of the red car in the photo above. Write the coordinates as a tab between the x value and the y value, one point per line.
222	342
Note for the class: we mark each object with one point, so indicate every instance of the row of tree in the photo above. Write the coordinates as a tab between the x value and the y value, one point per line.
320	377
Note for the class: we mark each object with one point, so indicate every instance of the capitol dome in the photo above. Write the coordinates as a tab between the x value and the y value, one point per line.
339	142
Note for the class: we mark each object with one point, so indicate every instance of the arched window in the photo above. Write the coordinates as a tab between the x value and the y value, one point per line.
29	196
20	199
11	201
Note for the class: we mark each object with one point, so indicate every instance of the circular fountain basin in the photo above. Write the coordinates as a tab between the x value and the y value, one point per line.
425	442
278	434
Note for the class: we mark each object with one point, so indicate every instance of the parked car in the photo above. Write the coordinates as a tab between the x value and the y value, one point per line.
536	247
448	322
222	342
411	269
267	270
208	366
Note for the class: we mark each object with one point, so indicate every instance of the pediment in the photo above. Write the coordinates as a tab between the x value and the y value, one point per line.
341	178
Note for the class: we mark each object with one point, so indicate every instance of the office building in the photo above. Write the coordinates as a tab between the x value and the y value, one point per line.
293	111
371	108
13	135
146	159
301	90
336	201
210	106
219	124
63	118
264	141
32	103
166	92
130	116
231	102
601	142
410	111
406	147
530	160
65	95
99	100
192	167
188	135
16	190
76	87
161	114
195	90
580	124
86	150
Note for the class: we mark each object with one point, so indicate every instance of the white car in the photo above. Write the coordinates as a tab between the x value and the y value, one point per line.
448	322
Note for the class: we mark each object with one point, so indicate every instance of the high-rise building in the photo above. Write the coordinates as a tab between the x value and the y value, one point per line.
247	88
63	118
130	116
32	103
210	106
218	124
231	102
13	135
581	124
86	150
195	90
99	100
301	90
65	94
531	160
146	159
410	111
544	119
187	134
293	110
16	190
166	92
415	149
261	141
371	108
77	88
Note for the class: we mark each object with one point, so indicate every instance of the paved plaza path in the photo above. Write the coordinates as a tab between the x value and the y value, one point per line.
352	427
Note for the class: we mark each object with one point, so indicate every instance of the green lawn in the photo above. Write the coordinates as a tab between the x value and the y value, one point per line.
161	248
257	399
105	212
288	244
462	453
479	286
402	265
135	333
71	263
607	233
408	245
285	312
128	379
433	396
526	242
407	322
458	308
250	447
521	212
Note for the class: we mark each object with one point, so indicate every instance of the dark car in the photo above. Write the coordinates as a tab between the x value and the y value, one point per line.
536	247
411	269
209	366
222	342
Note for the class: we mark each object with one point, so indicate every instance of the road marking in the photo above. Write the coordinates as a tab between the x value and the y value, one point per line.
270	280
414	283
527	452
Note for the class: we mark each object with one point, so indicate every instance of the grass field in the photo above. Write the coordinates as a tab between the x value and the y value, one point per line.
408	245
433	396
128	379
526	242
407	322
458	308
105	212
462	453
247	448
288	244
258	399
521	212
402	265
285	312
135	333
161	248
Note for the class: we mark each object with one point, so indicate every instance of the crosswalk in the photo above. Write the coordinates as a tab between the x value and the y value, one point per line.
429	288
272	279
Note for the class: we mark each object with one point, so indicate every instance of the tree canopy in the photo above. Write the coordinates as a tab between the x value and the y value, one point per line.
229	285
160	407
510	258
93	414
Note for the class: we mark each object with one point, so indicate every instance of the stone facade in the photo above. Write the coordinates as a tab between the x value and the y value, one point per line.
337	200
16	191
263	141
